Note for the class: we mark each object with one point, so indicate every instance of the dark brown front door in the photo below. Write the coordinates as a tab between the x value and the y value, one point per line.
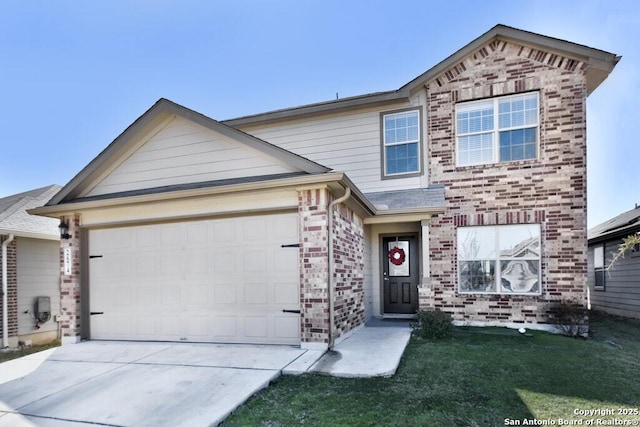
400	274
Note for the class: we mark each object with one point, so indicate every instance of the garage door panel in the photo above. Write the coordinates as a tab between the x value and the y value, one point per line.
254	230
225	294
225	327
256	326
198	326
224	260
197	264
287	293
255	261
286	326
256	293
224	231
224	280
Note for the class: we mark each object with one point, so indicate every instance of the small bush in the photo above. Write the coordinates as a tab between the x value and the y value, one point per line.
571	317
433	324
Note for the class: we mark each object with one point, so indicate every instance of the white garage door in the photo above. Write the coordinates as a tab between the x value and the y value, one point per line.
221	280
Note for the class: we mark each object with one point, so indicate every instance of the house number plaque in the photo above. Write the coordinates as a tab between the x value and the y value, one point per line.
67	261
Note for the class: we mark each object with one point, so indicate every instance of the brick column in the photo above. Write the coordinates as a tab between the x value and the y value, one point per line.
70	283
314	302
348	271
426	294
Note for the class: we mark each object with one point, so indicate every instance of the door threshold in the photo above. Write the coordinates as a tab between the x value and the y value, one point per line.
407	316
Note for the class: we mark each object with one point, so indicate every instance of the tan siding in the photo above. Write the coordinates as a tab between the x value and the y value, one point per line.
38	275
183	153
347	142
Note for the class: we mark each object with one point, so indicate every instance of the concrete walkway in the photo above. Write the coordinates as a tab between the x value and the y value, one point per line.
372	351
152	384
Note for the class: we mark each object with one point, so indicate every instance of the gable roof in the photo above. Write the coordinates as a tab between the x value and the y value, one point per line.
619	226
158	114
600	64
14	218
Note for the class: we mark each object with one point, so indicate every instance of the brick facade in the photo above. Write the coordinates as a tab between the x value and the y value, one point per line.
314	273
348	268
348	272
12	289
550	191
70	284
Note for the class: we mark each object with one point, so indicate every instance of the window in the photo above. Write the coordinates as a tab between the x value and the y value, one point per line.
598	268
497	130
499	259
401	143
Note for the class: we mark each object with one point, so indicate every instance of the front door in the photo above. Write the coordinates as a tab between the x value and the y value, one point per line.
400	274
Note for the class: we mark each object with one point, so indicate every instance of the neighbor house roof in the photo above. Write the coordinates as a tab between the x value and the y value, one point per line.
14	218
619	226
599	65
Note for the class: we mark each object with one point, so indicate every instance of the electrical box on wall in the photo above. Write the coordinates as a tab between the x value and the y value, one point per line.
43	309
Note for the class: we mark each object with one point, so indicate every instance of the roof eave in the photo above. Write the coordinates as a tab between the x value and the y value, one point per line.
618	233
30	235
367	100
162	110
55	211
601	63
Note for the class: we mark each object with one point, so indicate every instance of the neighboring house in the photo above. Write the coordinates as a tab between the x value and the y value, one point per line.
463	190
30	266
615	290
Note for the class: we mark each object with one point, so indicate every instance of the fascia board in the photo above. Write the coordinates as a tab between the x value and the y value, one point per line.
145	123
150	120
596	58
403	216
26	234
74	207
341	105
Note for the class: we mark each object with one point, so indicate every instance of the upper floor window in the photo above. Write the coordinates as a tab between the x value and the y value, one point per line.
401	143
496	130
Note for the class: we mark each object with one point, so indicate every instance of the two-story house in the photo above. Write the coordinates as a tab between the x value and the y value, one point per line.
463	190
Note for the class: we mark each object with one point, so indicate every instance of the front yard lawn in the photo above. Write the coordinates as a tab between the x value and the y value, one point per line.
15	353
481	377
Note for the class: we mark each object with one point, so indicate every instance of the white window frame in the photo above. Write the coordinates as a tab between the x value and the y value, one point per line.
417	141
496	259
495	131
599	269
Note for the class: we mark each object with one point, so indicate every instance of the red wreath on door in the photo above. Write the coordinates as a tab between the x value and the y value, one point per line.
397	256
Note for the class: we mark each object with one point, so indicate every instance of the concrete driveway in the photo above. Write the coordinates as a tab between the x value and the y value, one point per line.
140	384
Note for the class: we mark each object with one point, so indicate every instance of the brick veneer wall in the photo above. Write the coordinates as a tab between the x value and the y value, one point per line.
70	285
12	288
314	275
348	273
550	191
348	267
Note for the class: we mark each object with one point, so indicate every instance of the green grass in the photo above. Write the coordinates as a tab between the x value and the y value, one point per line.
15	353
481	377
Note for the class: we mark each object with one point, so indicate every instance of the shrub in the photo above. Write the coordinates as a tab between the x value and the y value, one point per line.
571	317
433	324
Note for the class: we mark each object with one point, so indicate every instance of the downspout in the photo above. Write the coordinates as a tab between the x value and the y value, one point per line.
331	280
5	286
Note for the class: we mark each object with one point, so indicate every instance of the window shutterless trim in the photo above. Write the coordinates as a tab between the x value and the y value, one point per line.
383	151
495	132
497	260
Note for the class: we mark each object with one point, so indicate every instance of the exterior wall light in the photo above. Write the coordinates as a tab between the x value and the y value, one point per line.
64	230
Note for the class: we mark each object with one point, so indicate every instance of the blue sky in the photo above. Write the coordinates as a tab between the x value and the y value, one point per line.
75	74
